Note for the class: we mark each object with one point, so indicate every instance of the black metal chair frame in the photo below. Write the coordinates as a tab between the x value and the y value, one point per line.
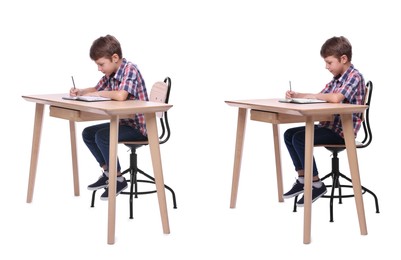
335	173
133	169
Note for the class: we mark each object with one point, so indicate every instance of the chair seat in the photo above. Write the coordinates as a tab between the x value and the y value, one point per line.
339	147
134	144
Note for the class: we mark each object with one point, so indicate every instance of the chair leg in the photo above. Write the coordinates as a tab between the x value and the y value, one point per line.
336	184
131	199
364	190
153	181
133	193
335	173
295	204
93	199
133	181
340	196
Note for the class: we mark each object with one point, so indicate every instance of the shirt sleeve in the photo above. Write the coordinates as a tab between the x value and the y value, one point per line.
102	84
133	83
350	88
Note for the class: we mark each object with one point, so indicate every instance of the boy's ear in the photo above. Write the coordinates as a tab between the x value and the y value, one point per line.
343	59
115	58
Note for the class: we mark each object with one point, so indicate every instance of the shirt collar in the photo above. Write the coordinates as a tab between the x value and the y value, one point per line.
345	75
118	75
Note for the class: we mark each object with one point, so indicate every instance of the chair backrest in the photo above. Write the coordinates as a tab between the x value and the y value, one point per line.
160	92
367	131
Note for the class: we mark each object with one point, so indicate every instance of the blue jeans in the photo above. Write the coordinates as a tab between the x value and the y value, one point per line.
294	139
97	139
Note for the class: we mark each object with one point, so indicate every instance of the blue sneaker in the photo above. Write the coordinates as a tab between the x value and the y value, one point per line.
296	189
316	193
121	185
102	182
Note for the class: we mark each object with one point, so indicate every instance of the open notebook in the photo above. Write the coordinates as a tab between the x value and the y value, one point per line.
87	98
302	100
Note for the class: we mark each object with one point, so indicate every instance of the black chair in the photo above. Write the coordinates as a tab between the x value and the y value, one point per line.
160	92
335	173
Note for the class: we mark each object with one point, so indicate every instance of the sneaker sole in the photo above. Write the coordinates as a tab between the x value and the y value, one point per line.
292	195
301	205
97	188
106	198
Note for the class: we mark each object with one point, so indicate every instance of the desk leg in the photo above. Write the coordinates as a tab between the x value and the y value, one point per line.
309	139
37	130
354	169
112	179
241	126
74	157
277	154
153	139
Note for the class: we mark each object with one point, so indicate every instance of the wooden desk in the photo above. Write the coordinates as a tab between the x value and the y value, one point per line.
110	110
274	112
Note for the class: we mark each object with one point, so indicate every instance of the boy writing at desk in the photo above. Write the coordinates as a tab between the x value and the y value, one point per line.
121	81
347	86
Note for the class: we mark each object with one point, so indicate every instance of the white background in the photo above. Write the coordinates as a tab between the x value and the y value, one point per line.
213	51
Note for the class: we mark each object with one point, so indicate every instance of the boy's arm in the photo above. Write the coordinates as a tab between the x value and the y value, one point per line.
329	97
119	95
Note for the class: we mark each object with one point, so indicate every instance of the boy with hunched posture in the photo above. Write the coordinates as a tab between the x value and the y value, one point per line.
347	86
121	81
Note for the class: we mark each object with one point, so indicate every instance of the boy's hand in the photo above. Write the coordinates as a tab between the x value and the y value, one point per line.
74	92
289	94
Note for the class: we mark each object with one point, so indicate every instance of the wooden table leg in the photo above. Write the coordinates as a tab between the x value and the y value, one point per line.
354	169
37	130
154	146
277	154
74	157
309	139
112	179
241	126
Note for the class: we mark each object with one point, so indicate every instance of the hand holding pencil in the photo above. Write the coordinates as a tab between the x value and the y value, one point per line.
289	93
73	90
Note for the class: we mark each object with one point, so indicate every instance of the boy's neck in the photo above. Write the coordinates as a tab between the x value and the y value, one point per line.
345	67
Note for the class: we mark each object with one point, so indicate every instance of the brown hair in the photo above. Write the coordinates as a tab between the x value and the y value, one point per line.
337	46
105	47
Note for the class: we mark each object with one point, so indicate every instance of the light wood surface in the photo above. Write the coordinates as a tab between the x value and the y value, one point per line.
274	112
78	111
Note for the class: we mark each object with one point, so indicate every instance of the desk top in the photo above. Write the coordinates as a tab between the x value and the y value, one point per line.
273	105
101	107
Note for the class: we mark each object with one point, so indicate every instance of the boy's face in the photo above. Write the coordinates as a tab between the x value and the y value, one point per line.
107	66
335	66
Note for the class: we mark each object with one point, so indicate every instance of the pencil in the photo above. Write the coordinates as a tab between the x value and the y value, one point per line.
290	86
73	83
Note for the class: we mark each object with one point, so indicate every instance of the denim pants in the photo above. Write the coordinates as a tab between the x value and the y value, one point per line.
97	139
294	139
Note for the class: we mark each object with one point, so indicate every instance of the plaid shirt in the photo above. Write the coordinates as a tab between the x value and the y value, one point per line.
352	85
128	78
